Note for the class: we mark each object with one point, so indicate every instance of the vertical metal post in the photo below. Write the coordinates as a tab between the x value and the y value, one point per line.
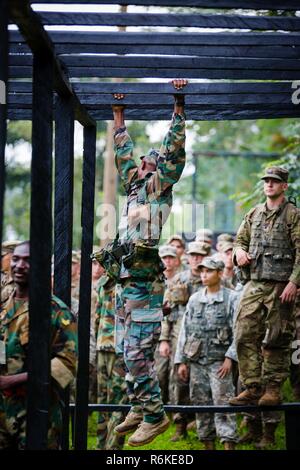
63	220
87	222
292	429
3	101
40	255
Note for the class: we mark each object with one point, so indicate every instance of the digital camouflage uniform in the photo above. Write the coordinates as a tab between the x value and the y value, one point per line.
14	331
110	368
205	339
149	202
182	286
295	364
265	326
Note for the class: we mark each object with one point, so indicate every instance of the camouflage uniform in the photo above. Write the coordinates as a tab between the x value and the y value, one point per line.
205	340
149	202
182	286
265	326
110	368
14	329
7	286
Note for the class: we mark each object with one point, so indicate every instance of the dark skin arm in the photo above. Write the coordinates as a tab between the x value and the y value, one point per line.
8	381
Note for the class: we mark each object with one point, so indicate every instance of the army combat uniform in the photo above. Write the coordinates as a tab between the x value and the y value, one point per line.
110	368
272	238
205	339
149	202
14	332
182	286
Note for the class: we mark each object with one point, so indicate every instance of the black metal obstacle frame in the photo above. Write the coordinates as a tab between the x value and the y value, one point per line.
54	75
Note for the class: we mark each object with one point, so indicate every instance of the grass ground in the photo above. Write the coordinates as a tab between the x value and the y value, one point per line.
163	442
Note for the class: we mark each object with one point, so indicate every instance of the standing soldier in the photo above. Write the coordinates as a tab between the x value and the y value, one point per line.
7	283
110	367
268	244
177	242
14	339
149	201
182	286
168	255
205	351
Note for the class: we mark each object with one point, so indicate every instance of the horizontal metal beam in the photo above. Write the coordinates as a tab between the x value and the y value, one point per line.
248	88
170	62
174	20
115	72
39	42
163	38
251	4
205	114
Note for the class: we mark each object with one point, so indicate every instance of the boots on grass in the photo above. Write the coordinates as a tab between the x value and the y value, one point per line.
229	445
180	432
209	445
268	436
254	433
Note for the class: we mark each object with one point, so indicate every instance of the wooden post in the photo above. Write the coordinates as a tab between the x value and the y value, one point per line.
3	99
63	220
40	255
87	222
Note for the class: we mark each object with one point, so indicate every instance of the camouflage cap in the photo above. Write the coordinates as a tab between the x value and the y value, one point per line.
176	237
225	237
8	246
204	234
277	173
151	156
167	250
225	246
199	248
211	263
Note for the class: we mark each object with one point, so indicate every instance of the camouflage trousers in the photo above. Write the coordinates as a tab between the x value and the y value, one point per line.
13	421
264	331
174	390
206	388
111	389
138	326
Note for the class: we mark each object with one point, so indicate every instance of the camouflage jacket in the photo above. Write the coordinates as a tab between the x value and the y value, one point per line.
7	286
14	332
272	238
149	200
206	333
105	316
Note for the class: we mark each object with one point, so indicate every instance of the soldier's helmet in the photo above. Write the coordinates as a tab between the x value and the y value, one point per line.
167	250
151	156
211	263
277	173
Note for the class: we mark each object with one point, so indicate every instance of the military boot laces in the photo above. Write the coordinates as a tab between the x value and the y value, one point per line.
272	395
130	424
268	436
250	396
180	432
146	432
254	433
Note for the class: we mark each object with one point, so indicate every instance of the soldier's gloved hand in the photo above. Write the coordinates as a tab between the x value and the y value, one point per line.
183	372
225	369
164	349
289	294
242	257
